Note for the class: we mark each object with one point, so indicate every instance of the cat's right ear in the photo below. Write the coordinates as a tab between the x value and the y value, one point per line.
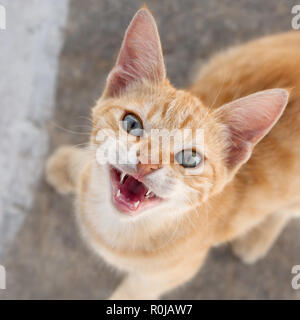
140	57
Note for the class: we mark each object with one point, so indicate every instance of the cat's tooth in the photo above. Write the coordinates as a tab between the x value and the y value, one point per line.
118	193
136	204
123	175
149	194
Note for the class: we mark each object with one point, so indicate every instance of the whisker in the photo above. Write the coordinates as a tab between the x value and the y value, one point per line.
69	131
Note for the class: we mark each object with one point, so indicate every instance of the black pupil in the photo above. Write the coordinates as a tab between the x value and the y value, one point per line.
188	158
132	125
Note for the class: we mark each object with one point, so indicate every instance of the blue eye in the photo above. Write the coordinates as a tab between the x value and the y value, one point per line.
188	158
132	125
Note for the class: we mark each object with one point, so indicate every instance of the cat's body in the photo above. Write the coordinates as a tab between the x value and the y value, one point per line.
246	203
270	181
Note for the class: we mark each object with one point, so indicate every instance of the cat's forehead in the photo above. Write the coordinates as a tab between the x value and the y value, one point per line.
158	108
173	111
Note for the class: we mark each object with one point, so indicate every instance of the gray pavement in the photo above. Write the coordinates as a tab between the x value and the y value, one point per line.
29	52
44	94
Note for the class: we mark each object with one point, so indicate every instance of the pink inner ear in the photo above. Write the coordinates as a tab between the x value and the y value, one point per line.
140	56
249	119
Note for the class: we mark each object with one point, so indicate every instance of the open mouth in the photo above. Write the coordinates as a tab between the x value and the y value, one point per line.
130	195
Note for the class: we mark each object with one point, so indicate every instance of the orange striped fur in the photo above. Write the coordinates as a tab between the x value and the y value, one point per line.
164	247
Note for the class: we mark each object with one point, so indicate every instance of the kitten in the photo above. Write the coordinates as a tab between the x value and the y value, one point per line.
157	221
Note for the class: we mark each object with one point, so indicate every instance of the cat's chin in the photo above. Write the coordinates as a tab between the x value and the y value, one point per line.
129	195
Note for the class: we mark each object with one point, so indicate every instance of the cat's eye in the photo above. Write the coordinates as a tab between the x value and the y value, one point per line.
132	124
188	158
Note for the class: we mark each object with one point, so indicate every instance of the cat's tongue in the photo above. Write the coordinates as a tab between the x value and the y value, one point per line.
133	190
130	196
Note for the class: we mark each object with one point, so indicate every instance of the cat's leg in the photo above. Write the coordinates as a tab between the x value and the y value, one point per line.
138	286
64	166
148	287
256	243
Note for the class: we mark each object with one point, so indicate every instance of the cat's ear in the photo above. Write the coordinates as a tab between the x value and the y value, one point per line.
140	57
248	120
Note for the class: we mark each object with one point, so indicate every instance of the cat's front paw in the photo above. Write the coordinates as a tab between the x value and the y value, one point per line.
123	295
57	173
249	250
129	289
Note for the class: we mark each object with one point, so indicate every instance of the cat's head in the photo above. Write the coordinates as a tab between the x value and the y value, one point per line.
148	175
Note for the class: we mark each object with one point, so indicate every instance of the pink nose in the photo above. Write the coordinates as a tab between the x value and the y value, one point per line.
144	169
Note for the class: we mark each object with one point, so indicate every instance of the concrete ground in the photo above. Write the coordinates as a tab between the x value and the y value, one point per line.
50	95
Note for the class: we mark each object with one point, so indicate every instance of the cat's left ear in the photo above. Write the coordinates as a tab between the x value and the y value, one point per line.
140	57
248	120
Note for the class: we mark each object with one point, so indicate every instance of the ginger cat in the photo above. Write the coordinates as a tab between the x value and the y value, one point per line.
154	221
